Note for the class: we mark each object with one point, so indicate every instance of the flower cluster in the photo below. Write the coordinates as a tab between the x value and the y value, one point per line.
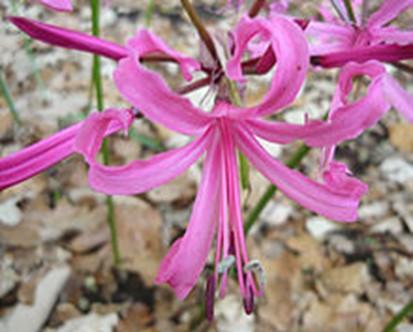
359	47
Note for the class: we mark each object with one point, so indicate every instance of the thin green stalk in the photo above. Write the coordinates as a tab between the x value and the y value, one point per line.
9	100
149	13
396	320
293	162
350	11
29	52
97	80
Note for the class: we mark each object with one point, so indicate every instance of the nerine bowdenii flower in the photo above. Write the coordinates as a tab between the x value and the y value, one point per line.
218	134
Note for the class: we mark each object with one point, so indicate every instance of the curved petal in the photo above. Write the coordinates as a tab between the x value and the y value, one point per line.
186	259
38	157
138	176
148	92
54	35
339	204
145	43
59	5
338	176
291	50
389	10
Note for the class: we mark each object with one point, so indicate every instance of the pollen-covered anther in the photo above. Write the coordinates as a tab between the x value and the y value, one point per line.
226	264
256	267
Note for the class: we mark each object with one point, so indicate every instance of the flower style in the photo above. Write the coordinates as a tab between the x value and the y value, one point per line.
58	5
220	134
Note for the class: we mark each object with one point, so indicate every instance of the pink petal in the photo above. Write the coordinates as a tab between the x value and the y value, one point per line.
145	43
186	259
59	5
339	177
388	11
148	92
290	49
383	53
38	157
140	175
399	97
335	203
94	128
66	38
328	37
34	159
393	35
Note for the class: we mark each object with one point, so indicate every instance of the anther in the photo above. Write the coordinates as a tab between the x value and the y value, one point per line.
210	298
255	266
226	264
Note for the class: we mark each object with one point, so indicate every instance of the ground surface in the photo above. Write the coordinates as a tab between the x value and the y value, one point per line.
56	264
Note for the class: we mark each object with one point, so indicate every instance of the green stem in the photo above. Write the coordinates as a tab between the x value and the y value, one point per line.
97	80
396	320
350	11
202	31
293	162
9	100
149	13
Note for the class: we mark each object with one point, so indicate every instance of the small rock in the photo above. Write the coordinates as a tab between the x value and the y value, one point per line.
230	316
47	291
319	227
90	323
397	170
405	327
8	277
407	241
405	210
348	279
391	225
374	210
404	268
341	244
10	214
276	214
401	136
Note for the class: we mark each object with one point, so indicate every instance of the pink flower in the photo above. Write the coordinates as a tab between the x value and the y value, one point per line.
219	134
58	5
342	40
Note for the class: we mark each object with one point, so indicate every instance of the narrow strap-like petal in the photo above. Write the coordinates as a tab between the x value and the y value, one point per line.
59	5
54	35
335	203
291	51
140	175
187	257
39	156
388	11
383	53
148	92
36	158
391	35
